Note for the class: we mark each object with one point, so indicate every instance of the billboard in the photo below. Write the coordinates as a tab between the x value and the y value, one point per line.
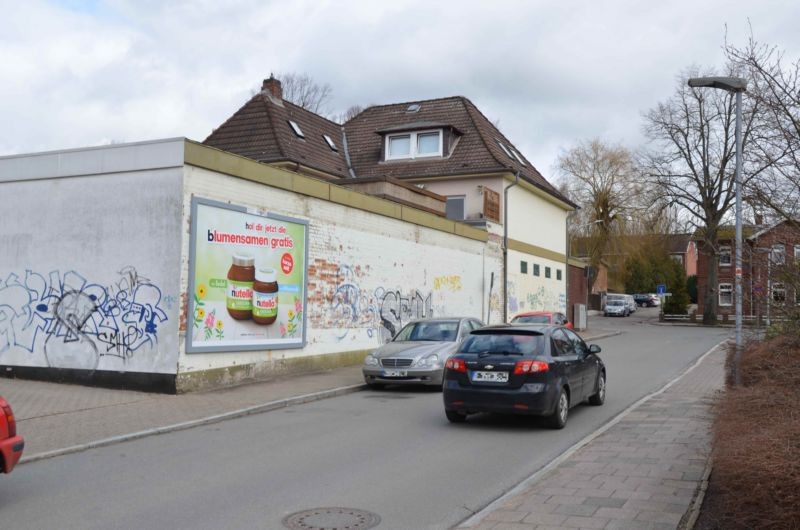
247	279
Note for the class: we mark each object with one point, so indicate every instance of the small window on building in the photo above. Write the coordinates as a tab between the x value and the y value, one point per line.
329	141
778	254
558	274
778	293
536	269
505	149
523	267
726	294
725	256
414	145
547	272
454	207
797	254
296	129
517	156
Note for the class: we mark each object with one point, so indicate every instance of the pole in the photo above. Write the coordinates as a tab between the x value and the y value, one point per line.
769	286
738	184
505	247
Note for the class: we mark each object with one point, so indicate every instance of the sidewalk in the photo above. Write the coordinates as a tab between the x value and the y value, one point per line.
642	472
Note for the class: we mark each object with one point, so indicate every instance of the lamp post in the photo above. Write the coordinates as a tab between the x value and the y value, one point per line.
736	85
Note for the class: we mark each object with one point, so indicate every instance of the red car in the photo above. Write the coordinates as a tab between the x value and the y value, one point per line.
542	317
11	445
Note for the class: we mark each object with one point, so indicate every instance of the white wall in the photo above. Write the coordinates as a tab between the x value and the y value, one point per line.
468	187
527	292
89	268
533	220
369	273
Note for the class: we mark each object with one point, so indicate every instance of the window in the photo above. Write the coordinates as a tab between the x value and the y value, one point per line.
778	293
778	254
517	156
797	254
577	343
562	344
726	294
558	274
536	269
523	267
296	129
414	145
505	149
725	256
547	272
330	143
454	207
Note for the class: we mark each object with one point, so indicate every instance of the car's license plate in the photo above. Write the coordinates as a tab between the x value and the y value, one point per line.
395	373
494	377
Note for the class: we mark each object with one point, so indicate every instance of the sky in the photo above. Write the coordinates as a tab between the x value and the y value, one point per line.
83	73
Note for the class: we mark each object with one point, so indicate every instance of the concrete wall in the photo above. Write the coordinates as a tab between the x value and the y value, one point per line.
369	274
89	268
527	292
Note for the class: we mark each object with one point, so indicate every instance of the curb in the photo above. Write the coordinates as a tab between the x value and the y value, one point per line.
694	510
605	335
478	516
255	409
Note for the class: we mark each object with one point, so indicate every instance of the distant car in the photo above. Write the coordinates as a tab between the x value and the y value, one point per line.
416	355
542	317
11	444
646	300
616	308
531	369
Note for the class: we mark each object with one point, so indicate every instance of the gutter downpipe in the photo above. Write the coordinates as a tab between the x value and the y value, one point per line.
505	246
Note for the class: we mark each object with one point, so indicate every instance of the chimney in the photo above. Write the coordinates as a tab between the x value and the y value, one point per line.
273	86
759	219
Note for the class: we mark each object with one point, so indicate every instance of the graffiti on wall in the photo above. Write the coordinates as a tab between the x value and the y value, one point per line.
74	322
382	311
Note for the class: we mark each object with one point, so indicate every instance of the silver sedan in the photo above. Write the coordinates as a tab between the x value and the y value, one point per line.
417	354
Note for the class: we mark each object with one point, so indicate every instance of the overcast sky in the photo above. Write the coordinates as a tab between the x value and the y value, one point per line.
81	73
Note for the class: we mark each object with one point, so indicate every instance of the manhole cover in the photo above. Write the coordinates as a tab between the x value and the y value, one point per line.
331	519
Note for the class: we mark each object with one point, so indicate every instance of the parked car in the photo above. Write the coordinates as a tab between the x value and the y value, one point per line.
542	317
628	299
416	355
532	369
11	444
616	308
647	300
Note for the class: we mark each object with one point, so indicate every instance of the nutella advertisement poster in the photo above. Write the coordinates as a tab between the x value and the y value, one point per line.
248	280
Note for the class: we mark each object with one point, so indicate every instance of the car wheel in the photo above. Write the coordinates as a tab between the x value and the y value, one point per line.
559	417
600	396
453	416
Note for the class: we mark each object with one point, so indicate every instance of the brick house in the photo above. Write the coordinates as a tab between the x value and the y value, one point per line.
769	254
441	155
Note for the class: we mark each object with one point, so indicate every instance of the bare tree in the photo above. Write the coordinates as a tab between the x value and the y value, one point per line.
600	178
302	90
692	160
351	112
775	85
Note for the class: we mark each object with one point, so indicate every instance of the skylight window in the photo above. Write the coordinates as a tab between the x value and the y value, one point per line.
505	149
414	107
517	156
330	143
296	129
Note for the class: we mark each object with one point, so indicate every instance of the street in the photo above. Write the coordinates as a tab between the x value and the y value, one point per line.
391	452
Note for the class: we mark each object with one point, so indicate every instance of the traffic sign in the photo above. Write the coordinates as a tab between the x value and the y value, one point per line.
661	289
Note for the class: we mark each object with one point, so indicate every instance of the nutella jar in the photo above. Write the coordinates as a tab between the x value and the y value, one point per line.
265	297
241	276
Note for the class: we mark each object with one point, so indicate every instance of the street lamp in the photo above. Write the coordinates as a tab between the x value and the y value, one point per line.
736	85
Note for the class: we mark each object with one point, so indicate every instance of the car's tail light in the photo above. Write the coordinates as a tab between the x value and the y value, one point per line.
12	423
530	367
456	365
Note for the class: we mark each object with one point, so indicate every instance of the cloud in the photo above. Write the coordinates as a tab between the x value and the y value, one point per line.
77	73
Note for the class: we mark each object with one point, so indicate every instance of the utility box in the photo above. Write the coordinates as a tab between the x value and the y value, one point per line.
579	317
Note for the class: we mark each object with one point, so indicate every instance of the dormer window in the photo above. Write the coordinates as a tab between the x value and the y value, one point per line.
414	145
296	129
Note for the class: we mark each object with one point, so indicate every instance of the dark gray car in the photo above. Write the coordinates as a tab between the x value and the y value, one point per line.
416	355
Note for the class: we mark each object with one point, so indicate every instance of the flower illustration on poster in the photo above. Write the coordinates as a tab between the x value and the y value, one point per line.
249	279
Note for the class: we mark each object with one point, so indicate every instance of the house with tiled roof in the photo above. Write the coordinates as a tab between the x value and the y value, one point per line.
440	155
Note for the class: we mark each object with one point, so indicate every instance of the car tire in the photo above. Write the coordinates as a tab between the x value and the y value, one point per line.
453	416
599	397
559	417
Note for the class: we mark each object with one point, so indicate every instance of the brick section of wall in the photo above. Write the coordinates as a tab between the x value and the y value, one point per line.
577	289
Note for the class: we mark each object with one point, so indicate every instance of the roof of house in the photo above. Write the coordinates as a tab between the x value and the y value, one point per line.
476	151
726	232
260	130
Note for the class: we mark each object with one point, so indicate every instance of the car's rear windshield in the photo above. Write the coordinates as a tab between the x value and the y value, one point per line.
434	331
522	344
532	319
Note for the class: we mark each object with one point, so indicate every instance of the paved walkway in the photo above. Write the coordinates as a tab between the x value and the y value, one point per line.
642	472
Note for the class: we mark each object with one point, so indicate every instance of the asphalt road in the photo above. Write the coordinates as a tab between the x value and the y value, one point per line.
390	452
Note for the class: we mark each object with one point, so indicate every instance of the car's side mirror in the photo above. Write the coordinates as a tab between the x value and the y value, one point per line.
594	348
